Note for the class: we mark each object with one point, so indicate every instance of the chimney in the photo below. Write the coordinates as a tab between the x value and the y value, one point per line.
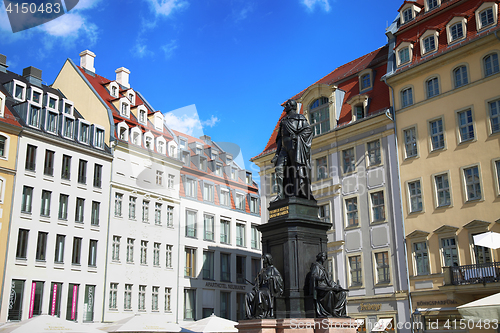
122	76
87	60
3	63
33	75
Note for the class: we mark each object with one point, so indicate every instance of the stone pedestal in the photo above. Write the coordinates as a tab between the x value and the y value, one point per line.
298	325
294	235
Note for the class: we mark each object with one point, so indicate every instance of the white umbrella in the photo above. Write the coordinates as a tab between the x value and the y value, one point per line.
142	323
484	308
212	324
45	324
488	239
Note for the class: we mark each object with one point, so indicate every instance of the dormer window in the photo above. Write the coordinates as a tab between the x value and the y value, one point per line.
122	131
113	89
456	29
365	79
148	140
359	105
2	104
131	96
233	174
19	90
51	122
83	135
214	155
408	11
67	107
182	143
407	15
319	115
35	95
428	41
431	4
67	128
218	170
98	137
160	147
158	121
359	111
203	164
124	109
486	15
173	151
34	116
52	101
135	138
198	151
142	116
404	53
249	178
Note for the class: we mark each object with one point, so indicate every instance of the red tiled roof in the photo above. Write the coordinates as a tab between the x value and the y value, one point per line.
416	3
9	118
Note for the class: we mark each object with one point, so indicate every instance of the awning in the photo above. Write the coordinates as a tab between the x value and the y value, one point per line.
488	239
484	308
382	325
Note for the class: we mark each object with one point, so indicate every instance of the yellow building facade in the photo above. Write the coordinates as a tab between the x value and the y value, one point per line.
446	95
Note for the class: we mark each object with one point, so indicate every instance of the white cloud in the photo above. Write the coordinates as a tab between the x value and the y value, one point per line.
210	122
65	25
169	48
86	4
165	7
186	120
241	14
312	3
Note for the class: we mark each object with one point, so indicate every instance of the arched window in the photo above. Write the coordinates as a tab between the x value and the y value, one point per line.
460	76
366	81
491	64
432	87
319	115
406	97
3	145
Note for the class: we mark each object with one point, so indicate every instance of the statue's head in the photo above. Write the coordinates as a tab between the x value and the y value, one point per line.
321	256
268	259
290	105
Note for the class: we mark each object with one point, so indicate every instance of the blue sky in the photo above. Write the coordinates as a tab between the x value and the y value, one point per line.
235	60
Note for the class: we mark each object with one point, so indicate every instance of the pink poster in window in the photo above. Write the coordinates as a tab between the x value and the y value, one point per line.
54	298
73	303
32	300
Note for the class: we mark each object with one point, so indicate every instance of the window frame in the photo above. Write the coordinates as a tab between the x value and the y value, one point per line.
5	155
454	75
380	154
409	196
442	249
430	135
489	118
427	34
485	6
415	259
323	105
401	47
348	171
496	174
384	267
347	212
454	22
436	190
428	7
464	183
436	87
402	102
383	205
495	55
319	167
360	269
459	126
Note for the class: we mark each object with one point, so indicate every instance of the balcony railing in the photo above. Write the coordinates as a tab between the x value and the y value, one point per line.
476	273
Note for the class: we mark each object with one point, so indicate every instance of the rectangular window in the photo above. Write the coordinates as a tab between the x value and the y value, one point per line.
321	168
429	44
45	204
77	251
27	199
168	298
118	204
145	211
48	167
225	267
41	246
255	238
415	194
472	183
348	159
88	304
84	133
3	141
68	127
497	167
208	192
189	304
437	134
168	255
324	213
92	253
59	253
208	265
465	125
456	31
55	299
142	298
378	207
374	153
442	190
127	303
15	308
421	258
170	216
113	296
190	268
432	86
63	206
94	218
79	210
35	308
383	272
171	181
450	252
355	271
225	309
156	254
34	116
30	163
241	269
351	206
131	207
254	205
240	234
406	97
225	231
115	254
494	108
240	201
130	250
208	227
190	224
190	188
224	197
51	125
154	298
22	244
410	137
432	4
82	172
66	167
158	213
404	55
144	252
159	177
97	175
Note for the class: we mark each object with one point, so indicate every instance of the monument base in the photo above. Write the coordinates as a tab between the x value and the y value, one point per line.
298	325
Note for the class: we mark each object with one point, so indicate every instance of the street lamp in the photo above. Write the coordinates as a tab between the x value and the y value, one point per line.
417	325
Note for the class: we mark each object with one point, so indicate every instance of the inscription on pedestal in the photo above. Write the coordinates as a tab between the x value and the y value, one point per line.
278	212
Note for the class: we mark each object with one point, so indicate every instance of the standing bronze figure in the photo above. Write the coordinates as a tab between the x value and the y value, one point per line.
329	298
268	285
293	154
